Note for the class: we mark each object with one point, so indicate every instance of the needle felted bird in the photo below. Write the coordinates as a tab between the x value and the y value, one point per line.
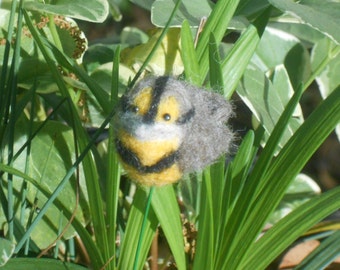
165	127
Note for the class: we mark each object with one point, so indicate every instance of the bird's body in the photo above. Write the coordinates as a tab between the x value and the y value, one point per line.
165	127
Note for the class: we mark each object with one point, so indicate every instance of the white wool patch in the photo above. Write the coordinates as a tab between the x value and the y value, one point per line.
158	132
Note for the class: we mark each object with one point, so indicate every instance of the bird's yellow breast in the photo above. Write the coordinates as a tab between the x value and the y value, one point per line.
149	154
166	176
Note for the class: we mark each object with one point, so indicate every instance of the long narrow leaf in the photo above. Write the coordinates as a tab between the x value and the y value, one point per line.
113	168
244	206
100	94
90	171
132	232
165	206
238	58
215	67
282	234
290	161
92	249
217	23
239	169
205	238
324	254
12	94
188	55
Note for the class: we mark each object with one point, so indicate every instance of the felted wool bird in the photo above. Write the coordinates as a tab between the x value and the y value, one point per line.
165	128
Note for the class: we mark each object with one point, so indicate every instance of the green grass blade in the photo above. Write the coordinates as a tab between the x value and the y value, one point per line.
188	55
217	23
12	94
90	171
5	65
215	67
165	206
283	234
244	205
205	238
113	168
132	232
91	247
266	156
324	254
288	164
240	167
143	228
238	58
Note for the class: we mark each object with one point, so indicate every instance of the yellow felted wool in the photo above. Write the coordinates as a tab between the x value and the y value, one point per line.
165	127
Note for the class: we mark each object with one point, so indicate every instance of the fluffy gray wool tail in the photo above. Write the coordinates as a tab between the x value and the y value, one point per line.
208	136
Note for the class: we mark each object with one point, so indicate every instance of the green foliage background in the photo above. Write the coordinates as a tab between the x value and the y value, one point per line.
60	187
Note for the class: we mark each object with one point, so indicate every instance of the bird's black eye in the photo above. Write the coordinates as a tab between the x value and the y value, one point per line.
167	117
134	109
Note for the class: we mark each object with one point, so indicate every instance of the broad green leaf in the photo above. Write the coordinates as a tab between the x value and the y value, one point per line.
40	264
26	42
191	10
6	250
101	95
324	18
93	11
133	36
165	206
166	59
98	54
67	36
39	76
52	152
33	69
273	48
103	76
291	25
328	79
250	8
146	4
267	99
276	48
